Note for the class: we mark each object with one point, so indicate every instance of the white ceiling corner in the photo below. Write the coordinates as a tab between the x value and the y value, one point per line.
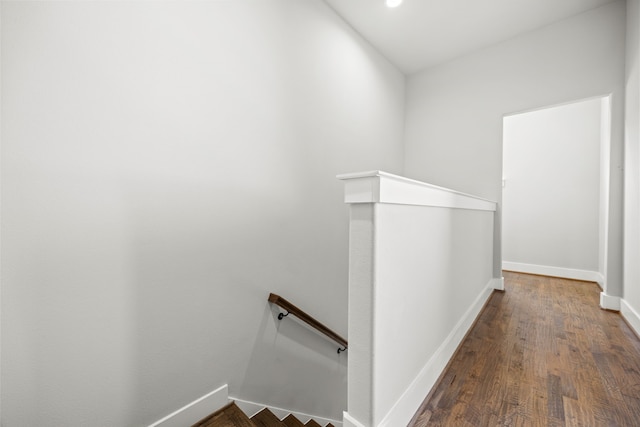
421	33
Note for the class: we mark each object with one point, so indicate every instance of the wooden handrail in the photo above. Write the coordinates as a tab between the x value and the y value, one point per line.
292	309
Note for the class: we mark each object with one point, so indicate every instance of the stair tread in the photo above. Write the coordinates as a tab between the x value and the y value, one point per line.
228	416
291	421
232	416
266	418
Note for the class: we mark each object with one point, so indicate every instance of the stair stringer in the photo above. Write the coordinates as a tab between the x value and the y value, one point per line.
252	408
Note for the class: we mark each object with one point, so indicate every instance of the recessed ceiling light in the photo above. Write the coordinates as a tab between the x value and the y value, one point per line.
393	3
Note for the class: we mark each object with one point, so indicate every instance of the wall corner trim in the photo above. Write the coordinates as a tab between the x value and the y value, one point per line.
631	316
193	412
404	409
609	302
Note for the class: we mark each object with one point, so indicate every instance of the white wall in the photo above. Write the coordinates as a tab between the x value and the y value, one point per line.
605	185
632	163
551	196
420	272
422	301
0	218
165	165
431	266
453	128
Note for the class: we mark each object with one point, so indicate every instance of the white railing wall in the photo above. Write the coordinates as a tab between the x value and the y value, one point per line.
420	271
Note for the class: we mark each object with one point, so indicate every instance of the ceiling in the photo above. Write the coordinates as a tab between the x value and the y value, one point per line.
421	33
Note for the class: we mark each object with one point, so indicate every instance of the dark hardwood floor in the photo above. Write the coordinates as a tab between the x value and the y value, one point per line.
541	354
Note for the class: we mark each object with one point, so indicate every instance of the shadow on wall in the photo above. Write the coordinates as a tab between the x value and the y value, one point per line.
290	362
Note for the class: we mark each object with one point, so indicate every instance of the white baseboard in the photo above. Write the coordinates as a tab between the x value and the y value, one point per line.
405	408
497	283
609	302
349	421
631	316
252	408
196	410
547	270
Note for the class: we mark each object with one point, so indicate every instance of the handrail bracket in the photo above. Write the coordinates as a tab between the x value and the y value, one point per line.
282	315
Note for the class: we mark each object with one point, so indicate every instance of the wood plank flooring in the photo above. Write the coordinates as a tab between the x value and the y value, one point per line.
541	354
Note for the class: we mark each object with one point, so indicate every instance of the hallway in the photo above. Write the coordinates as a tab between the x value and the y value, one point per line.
541	354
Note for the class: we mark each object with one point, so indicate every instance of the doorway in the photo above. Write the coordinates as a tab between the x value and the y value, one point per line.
555	194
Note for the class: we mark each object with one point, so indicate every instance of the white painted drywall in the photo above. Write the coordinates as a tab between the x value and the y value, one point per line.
415	272
551	193
605	175
419	272
165	165
431	264
0	216
632	160
453	130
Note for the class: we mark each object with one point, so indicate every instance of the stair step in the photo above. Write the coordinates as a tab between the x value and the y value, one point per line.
232	416
266	418
291	421
228	416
